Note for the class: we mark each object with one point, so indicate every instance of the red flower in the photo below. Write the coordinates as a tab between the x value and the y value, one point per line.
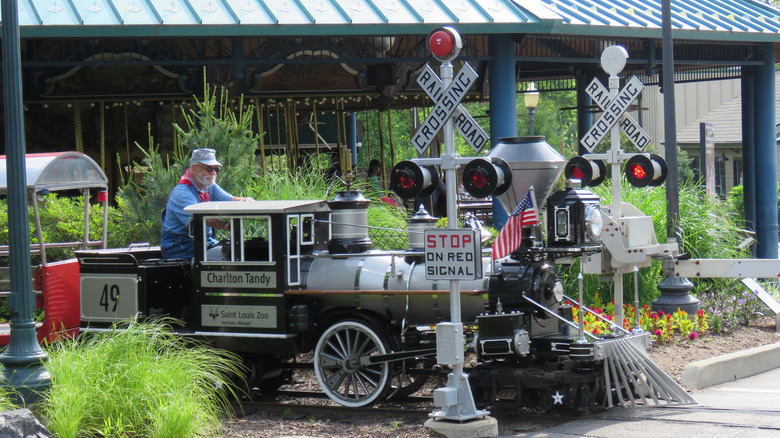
692	336
658	333
700	313
660	313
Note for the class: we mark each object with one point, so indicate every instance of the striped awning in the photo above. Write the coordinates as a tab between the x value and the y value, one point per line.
745	20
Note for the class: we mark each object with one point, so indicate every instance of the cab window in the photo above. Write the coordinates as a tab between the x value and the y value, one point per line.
239	239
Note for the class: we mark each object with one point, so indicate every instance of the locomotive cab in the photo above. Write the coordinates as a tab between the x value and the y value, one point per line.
231	293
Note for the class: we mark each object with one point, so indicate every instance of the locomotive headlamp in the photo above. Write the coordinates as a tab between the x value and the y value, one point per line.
593	222
574	219
558	291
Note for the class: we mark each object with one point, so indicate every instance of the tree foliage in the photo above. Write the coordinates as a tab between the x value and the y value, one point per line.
211	124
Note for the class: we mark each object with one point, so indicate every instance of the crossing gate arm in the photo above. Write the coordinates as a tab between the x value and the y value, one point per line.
727	268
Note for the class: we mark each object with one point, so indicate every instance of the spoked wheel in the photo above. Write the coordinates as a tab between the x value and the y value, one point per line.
337	363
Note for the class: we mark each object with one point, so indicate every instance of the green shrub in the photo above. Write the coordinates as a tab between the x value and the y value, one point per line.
139	382
708	230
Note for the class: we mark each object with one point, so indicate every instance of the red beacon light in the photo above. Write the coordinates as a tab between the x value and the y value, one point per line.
644	170
445	43
483	177
589	172
409	180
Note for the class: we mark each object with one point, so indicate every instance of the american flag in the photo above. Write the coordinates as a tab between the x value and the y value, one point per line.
510	236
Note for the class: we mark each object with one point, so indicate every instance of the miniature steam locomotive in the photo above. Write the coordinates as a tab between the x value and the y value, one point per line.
301	276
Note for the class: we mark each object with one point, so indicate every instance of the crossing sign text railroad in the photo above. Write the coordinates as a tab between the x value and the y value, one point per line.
466	125
446	102
613	110
628	125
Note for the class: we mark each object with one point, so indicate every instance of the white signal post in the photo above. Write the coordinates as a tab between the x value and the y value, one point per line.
455	400
613	59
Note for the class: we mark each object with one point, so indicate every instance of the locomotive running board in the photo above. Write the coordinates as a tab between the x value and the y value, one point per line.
633	377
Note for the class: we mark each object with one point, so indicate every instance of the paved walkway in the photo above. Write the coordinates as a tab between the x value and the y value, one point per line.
748	407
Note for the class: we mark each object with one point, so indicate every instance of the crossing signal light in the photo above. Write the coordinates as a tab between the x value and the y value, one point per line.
589	172
483	177
644	170
409	180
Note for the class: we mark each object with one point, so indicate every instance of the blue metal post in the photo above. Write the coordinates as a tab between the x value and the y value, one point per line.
24	372
503	101
766	149
584	115
749	147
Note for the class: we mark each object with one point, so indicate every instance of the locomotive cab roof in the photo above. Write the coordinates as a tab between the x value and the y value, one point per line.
259	207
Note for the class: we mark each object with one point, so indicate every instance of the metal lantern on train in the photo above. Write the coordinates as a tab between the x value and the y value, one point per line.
573	218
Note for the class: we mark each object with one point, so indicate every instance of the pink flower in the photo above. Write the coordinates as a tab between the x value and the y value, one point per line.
692	336
660	313
658	333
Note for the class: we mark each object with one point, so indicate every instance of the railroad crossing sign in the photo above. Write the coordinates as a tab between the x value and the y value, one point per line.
446	103
467	126
614	110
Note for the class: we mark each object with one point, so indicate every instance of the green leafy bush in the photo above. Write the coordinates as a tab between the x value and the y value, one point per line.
708	231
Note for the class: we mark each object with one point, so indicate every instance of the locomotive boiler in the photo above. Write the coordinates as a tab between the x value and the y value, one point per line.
294	277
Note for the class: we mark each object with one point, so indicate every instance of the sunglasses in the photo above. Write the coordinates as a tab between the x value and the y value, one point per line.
210	169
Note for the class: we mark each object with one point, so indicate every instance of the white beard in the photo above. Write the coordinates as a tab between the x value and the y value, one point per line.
206	180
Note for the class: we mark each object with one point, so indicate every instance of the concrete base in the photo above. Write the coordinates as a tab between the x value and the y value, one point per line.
721	369
485	427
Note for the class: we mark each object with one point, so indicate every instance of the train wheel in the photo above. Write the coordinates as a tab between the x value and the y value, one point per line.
337	363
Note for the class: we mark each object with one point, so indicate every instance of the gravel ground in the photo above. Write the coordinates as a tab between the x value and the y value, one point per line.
291	421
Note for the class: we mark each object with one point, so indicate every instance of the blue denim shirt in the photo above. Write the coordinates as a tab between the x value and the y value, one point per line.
176	242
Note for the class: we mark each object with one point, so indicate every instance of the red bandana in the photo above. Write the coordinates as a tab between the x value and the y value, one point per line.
204	194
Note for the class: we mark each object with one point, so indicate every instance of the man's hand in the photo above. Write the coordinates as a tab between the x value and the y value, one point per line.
242	199
218	223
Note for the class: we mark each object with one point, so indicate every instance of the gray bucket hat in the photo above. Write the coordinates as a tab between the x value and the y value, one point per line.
204	156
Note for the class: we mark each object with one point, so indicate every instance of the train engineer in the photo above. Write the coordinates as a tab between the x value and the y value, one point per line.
198	184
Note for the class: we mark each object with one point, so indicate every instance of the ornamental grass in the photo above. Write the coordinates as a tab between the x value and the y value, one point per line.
140	382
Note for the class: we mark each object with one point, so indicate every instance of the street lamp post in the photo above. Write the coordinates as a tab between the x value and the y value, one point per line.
23	370
531	98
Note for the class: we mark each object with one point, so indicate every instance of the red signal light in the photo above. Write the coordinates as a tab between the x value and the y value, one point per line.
577	173
589	172
409	180
483	177
638	171
644	170
406	180
478	178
